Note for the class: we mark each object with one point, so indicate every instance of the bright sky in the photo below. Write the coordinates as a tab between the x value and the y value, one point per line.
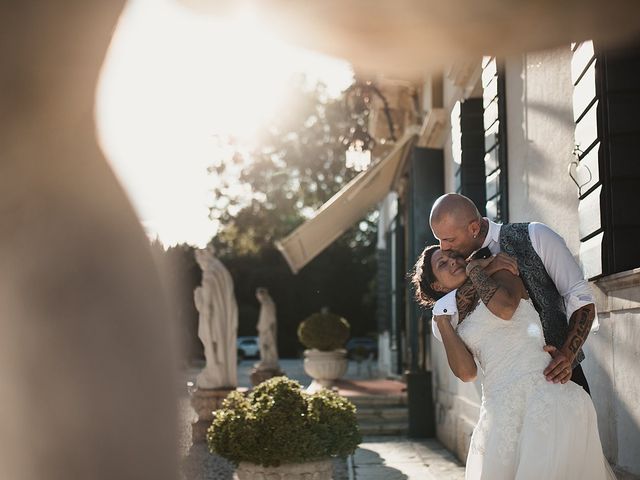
175	81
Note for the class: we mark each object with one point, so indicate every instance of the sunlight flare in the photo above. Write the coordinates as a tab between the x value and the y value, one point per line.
174	84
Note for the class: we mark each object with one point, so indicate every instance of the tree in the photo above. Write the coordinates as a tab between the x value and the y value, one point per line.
296	165
263	193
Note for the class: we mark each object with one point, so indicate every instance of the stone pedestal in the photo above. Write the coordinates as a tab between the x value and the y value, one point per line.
260	374
205	401
324	367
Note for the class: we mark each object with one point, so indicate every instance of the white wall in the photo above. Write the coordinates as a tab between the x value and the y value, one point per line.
611	367
540	140
449	166
451	94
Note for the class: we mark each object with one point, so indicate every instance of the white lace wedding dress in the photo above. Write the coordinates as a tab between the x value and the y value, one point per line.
529	428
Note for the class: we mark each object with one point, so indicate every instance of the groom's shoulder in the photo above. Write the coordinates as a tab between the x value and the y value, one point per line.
542	227
543	233
512	226
538	232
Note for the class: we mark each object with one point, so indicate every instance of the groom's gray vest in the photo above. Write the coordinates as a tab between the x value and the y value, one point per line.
515	241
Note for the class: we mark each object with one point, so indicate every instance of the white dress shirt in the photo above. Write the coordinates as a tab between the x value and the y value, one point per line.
558	261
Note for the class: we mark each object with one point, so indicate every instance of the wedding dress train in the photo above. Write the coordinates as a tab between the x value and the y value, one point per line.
529	428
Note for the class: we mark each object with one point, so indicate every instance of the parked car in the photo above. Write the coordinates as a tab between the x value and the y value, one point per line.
248	347
362	347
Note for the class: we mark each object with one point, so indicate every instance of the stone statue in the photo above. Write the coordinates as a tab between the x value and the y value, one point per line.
267	330
218	324
267	338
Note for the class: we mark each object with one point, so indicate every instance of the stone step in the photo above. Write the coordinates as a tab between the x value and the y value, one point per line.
381	414
400	428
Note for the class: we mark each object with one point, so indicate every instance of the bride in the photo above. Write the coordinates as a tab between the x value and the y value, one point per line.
528	428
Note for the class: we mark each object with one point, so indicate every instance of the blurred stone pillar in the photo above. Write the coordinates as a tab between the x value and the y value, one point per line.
86	353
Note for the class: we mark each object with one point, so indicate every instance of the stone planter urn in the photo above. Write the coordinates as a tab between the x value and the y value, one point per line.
319	470
325	367
325	360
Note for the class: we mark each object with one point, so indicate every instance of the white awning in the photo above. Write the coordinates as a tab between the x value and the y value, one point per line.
346	207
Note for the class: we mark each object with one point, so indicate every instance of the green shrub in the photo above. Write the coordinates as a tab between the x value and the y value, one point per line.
324	331
279	423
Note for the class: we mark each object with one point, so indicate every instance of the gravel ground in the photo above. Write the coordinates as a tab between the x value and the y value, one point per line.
196	463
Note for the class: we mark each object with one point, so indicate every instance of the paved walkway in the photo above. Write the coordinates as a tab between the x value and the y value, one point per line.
377	458
386	458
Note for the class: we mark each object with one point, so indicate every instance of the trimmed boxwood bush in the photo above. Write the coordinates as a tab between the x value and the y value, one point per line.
279	423
324	331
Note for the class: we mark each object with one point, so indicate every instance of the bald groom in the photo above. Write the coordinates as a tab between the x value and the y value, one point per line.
553	279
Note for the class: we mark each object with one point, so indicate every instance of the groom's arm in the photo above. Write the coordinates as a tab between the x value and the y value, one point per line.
560	368
576	292
579	326
562	267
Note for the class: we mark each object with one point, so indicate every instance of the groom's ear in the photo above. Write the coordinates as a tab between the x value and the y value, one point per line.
475	228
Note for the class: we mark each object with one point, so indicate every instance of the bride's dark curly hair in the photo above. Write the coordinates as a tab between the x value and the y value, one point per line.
423	278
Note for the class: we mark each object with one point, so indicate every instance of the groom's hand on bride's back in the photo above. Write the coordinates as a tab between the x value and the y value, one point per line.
560	367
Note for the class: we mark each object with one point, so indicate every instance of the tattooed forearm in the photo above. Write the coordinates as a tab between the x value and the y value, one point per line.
466	299
579	326
485	285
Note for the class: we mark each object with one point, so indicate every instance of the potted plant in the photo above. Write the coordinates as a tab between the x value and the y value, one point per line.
325	360
280	432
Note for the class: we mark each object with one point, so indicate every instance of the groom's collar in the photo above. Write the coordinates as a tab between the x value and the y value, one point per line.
493	234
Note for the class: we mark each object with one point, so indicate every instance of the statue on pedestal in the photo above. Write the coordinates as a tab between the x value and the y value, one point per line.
267	338
218	324
267	330
217	329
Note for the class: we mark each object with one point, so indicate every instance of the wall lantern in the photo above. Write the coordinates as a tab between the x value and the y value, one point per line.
358	101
